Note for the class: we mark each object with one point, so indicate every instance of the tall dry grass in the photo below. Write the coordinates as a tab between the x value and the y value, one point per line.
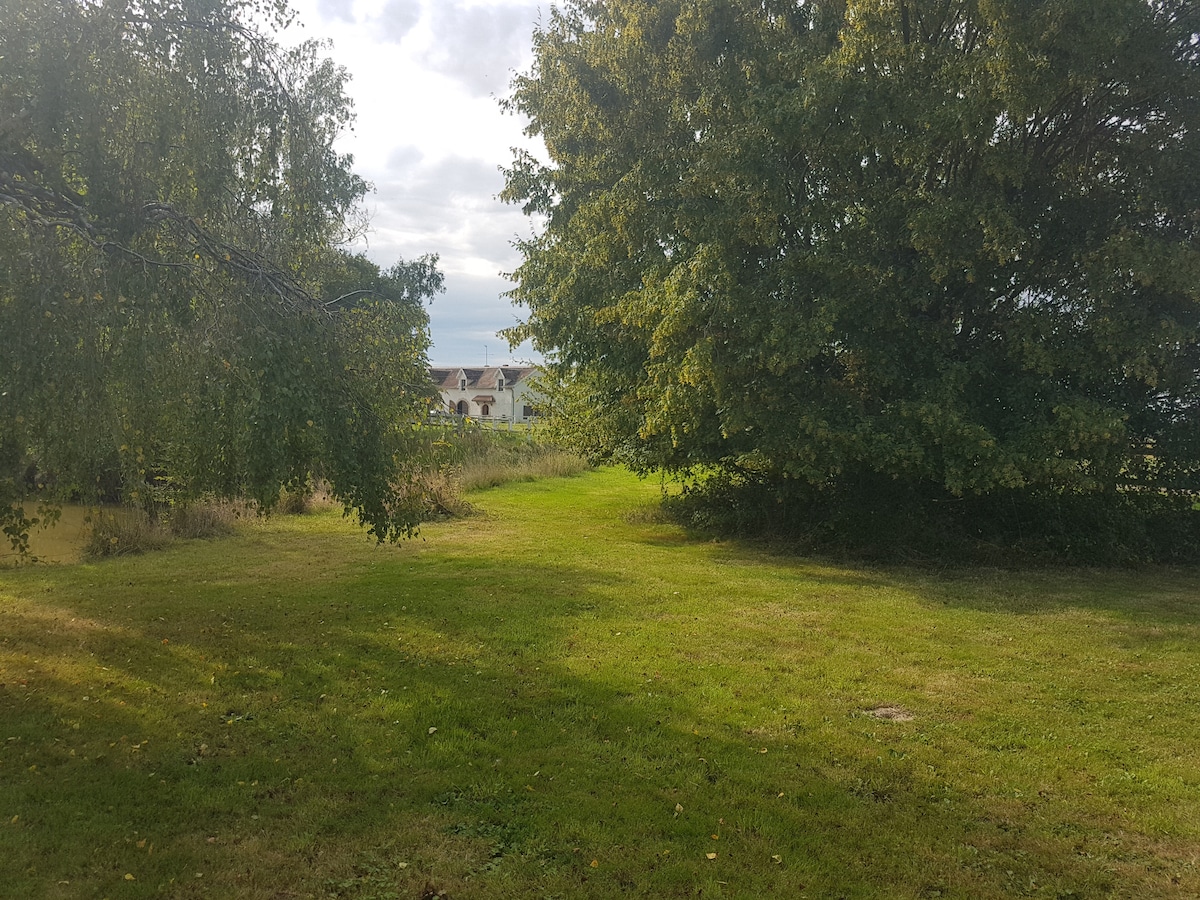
122	532
119	532
494	469
206	519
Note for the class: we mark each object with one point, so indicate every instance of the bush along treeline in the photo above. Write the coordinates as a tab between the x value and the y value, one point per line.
177	303
878	271
888	520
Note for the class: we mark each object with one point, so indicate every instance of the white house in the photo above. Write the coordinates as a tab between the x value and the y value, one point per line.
500	393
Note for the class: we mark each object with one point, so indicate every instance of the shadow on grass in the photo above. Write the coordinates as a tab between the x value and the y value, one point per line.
438	721
1168	595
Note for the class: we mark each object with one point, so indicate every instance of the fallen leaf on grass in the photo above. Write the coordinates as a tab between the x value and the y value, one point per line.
595	864
710	856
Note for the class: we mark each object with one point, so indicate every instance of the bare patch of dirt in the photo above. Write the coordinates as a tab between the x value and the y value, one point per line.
891	713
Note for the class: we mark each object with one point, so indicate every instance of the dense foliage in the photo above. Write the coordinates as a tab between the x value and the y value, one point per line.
948	247
175	304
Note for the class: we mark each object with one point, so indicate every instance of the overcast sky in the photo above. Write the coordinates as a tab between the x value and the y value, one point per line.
431	137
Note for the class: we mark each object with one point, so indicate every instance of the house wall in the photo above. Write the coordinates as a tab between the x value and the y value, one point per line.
524	395
508	404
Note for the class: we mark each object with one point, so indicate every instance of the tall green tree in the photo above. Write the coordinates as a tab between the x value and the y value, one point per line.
946	243
174	296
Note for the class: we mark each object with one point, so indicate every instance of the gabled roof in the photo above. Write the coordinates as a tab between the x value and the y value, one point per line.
487	378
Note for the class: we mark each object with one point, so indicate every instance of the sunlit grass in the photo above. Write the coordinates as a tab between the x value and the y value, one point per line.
563	697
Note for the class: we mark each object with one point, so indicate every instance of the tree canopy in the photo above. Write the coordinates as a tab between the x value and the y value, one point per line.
947	243
176	299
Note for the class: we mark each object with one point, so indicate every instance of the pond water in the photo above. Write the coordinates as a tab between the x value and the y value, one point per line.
61	543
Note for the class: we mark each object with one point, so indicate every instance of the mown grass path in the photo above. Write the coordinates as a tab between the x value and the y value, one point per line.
560	697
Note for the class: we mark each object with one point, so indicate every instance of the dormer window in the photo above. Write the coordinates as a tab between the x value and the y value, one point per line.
500	383
462	384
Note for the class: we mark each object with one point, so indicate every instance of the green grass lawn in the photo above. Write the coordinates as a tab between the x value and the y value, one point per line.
561	697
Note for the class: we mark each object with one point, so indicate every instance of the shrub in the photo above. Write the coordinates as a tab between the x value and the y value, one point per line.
123	532
203	520
294	500
893	520
435	492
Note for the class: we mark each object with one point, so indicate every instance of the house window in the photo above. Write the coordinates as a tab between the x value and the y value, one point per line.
462	407
527	411
462	384
484	411
500	383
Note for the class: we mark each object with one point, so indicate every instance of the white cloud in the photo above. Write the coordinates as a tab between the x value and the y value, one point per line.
404	159
398	18
336	10
465	320
448	206
432	142
481	46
